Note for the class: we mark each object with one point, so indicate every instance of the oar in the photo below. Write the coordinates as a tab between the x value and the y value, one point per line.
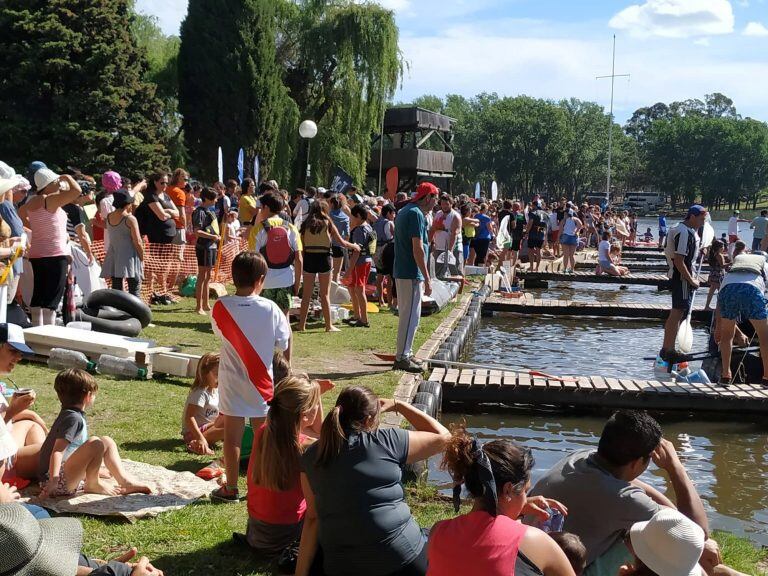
704	355
451	364
684	341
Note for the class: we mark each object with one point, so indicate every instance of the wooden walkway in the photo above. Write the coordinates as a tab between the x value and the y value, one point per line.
659	280
573	308
496	386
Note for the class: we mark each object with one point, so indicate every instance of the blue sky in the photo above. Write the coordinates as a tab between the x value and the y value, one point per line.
673	49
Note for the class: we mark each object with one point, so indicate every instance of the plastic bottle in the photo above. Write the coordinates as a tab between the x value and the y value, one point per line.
61	358
123	367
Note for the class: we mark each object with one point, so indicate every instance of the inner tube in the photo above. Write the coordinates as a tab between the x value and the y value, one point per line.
130	327
106	313
427	400
123	301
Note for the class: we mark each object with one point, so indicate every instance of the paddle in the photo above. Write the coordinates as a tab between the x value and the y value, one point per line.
684	341
450	364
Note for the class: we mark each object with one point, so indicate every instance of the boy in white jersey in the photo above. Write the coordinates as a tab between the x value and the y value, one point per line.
250	328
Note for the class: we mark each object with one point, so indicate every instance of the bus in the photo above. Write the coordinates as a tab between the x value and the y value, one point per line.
644	201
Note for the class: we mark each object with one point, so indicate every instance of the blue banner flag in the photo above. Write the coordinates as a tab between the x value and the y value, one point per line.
240	165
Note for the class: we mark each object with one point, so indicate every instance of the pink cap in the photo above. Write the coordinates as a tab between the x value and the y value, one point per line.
111	181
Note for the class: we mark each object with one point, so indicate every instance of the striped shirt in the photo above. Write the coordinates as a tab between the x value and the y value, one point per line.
49	233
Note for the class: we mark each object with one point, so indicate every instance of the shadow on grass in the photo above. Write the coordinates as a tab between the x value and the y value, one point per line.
225	557
173	381
199	326
160	445
320	375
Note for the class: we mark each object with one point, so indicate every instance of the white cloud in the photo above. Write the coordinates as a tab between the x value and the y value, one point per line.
396	5
676	18
702	42
755	29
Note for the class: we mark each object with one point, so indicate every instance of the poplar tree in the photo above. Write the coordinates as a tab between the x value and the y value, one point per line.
71	88
231	92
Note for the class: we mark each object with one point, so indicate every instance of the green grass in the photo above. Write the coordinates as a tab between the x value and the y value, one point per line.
144	419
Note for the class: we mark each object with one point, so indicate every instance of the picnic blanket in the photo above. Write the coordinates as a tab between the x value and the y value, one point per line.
170	491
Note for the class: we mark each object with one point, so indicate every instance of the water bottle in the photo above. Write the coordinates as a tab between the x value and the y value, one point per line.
123	367
61	358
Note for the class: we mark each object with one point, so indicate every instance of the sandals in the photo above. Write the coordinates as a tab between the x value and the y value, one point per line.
224	496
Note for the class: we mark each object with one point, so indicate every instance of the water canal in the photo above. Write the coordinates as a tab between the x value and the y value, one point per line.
727	459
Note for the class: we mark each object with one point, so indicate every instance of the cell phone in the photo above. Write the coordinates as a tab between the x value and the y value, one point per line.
555	521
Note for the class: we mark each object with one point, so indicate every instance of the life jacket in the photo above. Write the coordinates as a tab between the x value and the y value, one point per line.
278	251
316	243
750	263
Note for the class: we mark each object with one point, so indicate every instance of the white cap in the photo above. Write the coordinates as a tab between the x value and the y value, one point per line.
13	335
670	544
45	176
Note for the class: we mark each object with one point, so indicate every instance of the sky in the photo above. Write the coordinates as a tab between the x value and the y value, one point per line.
672	49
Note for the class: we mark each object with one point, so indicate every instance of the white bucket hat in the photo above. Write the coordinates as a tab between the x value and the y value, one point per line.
31	547
7	184
670	544
45	176
6	171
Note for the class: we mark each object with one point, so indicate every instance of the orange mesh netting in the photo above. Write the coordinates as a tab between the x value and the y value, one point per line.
167	265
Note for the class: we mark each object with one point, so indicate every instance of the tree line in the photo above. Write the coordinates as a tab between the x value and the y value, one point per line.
692	150
97	86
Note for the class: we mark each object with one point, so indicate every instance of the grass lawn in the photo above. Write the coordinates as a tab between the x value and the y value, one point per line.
144	419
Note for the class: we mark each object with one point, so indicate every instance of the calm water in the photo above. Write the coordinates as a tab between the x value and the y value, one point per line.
573	346
727	461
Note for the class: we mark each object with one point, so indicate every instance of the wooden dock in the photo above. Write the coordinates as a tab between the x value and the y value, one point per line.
529	306
659	280
502	387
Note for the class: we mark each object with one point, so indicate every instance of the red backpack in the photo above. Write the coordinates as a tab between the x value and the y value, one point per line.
278	251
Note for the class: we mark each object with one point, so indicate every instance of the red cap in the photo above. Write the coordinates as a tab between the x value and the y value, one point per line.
425	189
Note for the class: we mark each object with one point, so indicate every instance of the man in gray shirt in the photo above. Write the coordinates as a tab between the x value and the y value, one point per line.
759	225
603	494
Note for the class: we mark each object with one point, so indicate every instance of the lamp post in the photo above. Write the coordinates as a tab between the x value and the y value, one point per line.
308	130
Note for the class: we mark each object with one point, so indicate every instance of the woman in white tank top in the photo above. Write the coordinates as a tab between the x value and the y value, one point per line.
569	239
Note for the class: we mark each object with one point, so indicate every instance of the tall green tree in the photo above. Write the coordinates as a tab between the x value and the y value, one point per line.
72	89
341	65
231	92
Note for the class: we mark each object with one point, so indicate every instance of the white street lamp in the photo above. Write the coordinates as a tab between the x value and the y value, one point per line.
308	130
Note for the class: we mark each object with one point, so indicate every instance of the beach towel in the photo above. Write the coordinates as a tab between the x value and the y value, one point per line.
170	491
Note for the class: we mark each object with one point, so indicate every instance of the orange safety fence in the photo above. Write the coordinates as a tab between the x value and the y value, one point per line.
166	266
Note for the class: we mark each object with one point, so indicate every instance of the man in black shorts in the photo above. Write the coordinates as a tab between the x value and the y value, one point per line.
206	225
682	253
537	229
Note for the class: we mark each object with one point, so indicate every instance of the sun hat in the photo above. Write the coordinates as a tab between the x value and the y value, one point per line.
696	210
669	543
13	335
31	547
121	198
7	184
425	189
6	171
44	177
8	446
111	181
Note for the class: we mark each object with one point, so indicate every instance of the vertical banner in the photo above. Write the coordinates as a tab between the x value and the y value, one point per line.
393	181
494	191
477	191
240	166
256	168
221	165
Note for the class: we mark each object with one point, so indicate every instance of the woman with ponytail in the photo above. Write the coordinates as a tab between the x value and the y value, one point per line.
490	540
351	479
275	501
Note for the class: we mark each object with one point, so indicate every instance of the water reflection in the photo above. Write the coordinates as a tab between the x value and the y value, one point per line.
580	346
727	461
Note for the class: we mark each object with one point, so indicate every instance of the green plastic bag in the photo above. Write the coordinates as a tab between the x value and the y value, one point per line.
247	445
189	286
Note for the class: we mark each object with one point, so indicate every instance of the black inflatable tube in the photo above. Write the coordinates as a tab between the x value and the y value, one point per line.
106	313
428	401
123	301
434	388
130	327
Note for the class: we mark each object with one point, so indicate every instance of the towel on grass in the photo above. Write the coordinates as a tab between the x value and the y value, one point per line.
170	491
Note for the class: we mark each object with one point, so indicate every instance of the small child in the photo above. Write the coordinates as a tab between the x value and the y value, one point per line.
206	248
648	236
232	232
202	425
250	329
360	265
68	456
574	550
739	247
616	259
718	261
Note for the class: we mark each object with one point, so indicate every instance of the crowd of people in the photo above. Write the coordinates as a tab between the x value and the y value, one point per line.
324	492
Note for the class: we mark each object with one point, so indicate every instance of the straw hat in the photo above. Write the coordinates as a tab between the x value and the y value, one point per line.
30	547
670	544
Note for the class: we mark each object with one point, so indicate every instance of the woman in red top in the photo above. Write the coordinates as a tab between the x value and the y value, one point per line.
488	540
276	503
